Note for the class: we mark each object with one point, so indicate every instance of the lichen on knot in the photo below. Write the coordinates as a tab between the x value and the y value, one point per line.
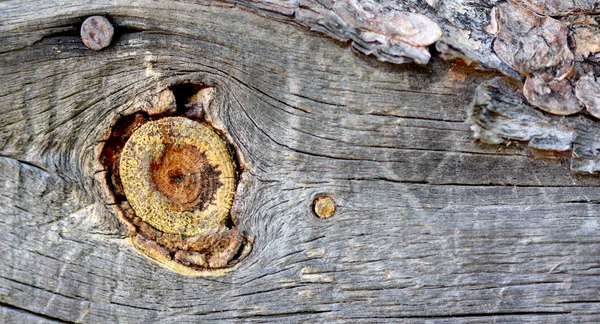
178	176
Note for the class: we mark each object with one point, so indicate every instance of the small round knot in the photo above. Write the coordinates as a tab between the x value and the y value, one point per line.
324	206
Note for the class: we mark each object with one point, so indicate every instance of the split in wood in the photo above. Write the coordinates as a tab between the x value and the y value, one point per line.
174	179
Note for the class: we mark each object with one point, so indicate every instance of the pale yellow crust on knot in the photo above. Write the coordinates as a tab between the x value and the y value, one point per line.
178	176
324	206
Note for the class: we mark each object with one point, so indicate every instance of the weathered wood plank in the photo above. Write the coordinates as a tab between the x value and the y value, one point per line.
12	315
430	226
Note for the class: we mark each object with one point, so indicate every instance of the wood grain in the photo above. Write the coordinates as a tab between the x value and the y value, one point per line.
430	225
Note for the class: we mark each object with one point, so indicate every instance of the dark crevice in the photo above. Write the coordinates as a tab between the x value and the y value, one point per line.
119	30
286	314
122	31
183	92
34	165
109	158
468	315
69	31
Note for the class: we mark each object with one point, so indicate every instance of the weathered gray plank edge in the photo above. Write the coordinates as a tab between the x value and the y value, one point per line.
11	314
424	232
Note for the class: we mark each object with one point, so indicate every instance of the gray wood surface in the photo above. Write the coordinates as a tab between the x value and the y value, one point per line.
431	225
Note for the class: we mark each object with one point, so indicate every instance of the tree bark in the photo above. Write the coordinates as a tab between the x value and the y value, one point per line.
430	224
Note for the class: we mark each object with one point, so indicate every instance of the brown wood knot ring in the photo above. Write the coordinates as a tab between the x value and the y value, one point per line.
173	180
178	176
179	181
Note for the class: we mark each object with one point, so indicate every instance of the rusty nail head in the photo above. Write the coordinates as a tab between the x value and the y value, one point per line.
97	32
324	206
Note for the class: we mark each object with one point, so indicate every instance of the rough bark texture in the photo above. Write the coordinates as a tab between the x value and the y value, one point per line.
430	225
